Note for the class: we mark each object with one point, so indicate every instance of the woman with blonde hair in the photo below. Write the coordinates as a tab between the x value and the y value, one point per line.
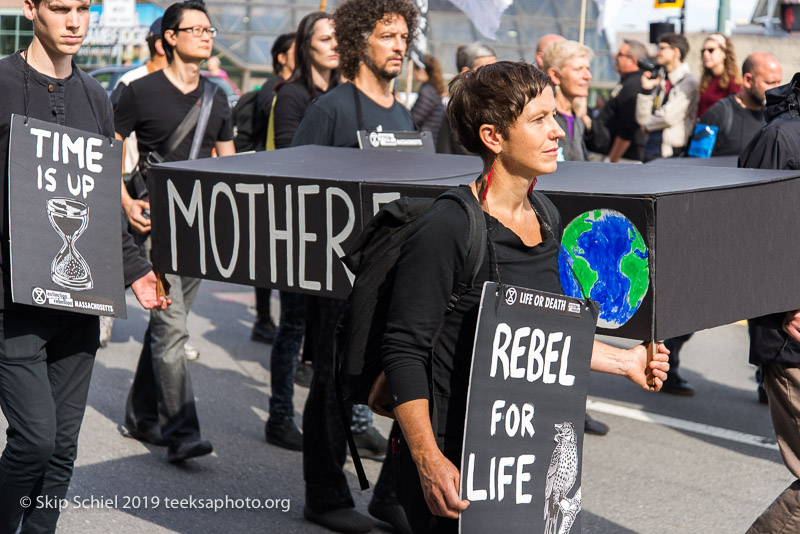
720	72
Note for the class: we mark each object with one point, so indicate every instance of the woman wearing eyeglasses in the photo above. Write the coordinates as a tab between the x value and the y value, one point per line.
720	72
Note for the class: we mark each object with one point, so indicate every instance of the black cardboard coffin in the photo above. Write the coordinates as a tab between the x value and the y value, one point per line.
720	241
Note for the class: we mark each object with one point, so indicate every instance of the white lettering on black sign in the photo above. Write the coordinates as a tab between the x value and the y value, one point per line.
527	395
64	216
291	221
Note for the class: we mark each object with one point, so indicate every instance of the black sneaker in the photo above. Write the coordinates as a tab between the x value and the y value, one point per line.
370	444
304	374
264	331
593	426
391	513
189	449
675	385
284	434
339	520
151	435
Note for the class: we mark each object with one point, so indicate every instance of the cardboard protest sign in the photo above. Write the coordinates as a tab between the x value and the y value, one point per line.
64	218
523	436
679	245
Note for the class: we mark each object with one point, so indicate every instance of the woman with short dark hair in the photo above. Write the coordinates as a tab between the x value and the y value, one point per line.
505	113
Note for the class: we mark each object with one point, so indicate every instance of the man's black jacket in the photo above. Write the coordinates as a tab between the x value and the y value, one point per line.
775	146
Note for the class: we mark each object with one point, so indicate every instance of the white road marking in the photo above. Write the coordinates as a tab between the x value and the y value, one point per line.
680	424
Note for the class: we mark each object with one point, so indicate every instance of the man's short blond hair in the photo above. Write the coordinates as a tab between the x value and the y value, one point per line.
558	53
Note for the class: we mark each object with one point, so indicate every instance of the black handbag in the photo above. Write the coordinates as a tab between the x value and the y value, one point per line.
136	184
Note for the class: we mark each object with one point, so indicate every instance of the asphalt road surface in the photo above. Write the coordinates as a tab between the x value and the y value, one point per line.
668	465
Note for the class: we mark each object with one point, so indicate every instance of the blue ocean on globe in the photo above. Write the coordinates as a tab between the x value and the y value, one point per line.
608	259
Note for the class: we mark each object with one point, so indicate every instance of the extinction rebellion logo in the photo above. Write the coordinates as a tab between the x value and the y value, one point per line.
374	140
38	295
511	296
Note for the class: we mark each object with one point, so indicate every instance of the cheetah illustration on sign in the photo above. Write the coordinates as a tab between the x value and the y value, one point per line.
561	476
69	218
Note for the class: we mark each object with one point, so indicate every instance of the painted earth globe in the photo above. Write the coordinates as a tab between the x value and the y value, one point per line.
604	255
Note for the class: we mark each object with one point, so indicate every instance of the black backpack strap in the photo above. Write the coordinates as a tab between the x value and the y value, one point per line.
363	481
548	211
476	240
727	125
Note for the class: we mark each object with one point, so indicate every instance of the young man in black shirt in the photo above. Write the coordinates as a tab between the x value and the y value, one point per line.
161	408
741	115
373	37
46	356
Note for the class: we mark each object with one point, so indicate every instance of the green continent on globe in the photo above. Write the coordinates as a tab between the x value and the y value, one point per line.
634	266
586	276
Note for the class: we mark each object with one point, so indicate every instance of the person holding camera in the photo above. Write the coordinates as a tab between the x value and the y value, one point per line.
619	114
666	108
160	407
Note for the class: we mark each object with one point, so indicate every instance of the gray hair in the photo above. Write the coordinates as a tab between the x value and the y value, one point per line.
637	49
468	54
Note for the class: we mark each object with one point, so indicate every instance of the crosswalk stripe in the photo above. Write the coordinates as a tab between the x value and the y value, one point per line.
680	424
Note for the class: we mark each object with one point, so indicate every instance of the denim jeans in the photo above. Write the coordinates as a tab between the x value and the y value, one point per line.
285	352
361	419
46	364
161	395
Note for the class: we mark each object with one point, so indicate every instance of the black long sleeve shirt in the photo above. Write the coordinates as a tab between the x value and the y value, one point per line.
430	265
76	101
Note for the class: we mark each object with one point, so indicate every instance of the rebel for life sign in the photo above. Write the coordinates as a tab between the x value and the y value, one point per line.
523	435
64	218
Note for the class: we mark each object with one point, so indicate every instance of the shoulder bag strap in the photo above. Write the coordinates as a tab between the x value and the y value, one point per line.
178	135
271	125
727	125
202	122
359	113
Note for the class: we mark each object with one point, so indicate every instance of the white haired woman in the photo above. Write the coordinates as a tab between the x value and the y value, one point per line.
568	65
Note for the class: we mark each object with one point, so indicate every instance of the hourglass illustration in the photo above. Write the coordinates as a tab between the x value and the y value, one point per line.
69	218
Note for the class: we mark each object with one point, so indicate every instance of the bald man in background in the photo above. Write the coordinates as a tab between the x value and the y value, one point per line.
739	116
545	41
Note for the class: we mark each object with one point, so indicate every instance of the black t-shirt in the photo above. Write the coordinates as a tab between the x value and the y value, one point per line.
735	133
290	107
331	119
154	108
431	262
